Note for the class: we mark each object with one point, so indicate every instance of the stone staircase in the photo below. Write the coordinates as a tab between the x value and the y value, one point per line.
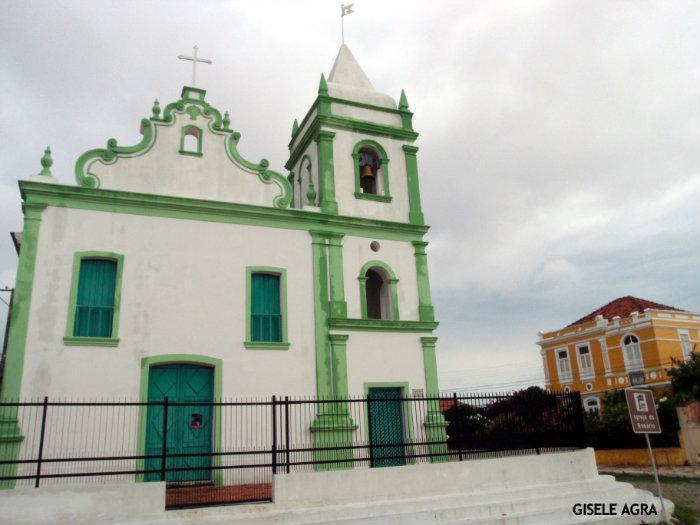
536	490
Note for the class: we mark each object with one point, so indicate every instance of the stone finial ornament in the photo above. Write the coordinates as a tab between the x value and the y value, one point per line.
46	163
403	101
156	109
226	122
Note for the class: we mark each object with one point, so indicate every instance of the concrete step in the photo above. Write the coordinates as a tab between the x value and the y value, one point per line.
534	505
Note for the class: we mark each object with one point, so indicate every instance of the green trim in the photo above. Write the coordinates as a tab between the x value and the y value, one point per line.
113	340
408	413
385	196
319	250
435	423
393	282
425	306
381	325
183	132
213	211
406	115
326	174
90	341
266	345
371	197
338	306
83	175
415	213
146	364
192	103
17	339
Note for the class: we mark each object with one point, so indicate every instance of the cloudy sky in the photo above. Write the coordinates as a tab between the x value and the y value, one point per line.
559	148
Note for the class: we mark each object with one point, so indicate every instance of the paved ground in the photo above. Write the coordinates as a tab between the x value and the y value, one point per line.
674	472
682	490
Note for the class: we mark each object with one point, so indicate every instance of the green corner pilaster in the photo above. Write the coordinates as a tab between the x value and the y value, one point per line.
425	305
10	432
326	175
435	423
338	307
415	213
332	426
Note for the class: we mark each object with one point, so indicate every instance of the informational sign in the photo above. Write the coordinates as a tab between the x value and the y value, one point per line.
418	392
643	416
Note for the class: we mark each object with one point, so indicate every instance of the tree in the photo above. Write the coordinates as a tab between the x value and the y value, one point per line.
685	379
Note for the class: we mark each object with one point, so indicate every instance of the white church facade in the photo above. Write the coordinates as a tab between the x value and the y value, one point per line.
175	267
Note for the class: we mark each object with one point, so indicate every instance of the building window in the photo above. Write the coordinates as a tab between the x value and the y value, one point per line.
686	345
371	171
592	405
378	292
191	141
93	311
266	323
632	352
585	362
563	366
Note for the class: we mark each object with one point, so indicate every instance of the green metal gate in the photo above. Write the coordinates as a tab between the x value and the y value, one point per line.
189	427
386	425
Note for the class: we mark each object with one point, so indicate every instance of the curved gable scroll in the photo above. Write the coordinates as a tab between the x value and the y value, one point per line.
158	164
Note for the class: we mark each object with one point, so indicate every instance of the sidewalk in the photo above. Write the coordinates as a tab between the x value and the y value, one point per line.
692	472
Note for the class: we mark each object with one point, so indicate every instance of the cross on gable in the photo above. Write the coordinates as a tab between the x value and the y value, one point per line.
194	58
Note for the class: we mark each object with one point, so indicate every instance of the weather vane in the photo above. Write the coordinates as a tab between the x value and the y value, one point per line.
344	10
194	58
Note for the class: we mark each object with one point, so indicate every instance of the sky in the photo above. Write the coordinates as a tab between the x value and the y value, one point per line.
559	141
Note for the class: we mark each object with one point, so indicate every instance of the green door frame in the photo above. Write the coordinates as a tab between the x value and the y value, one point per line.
408	414
173	359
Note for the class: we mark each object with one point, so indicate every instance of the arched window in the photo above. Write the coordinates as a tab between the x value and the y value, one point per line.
378	295
632	352
191	141
371	171
370	164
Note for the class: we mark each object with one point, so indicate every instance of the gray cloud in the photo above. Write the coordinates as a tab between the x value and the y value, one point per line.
559	154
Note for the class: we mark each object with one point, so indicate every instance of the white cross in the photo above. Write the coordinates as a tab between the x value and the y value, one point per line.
194	58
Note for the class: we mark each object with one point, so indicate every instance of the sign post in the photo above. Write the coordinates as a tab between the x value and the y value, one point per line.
645	420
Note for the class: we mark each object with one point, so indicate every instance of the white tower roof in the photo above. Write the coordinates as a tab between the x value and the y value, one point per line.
347	80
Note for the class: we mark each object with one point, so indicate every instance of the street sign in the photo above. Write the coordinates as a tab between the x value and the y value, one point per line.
643	416
645	420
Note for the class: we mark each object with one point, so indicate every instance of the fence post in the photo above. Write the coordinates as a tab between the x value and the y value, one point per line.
164	445
274	434
41	442
286	430
369	428
459	425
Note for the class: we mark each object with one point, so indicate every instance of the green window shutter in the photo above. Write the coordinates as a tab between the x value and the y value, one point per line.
265	312
94	308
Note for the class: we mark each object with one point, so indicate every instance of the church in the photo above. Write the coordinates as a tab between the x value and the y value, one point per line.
176	267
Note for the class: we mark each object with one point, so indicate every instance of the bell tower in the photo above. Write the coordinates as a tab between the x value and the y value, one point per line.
353	152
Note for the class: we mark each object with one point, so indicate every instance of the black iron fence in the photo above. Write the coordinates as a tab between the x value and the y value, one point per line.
227	451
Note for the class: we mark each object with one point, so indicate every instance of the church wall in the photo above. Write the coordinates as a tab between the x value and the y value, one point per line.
398	255
383	357
396	210
183	292
378	117
164	170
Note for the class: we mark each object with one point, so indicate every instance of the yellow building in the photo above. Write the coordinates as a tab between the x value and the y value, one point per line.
627	342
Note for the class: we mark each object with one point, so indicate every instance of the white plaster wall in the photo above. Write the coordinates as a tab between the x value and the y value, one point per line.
370	115
399	255
183	291
384	357
344	167
163	170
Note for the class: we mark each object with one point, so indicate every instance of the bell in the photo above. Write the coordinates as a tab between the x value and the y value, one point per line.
367	171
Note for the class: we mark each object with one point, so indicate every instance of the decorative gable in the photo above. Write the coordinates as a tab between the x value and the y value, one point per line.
188	151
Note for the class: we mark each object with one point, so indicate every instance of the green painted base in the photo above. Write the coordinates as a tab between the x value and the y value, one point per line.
10	442
436	431
333	430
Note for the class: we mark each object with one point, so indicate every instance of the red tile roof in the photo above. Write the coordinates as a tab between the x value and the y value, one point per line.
623	306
